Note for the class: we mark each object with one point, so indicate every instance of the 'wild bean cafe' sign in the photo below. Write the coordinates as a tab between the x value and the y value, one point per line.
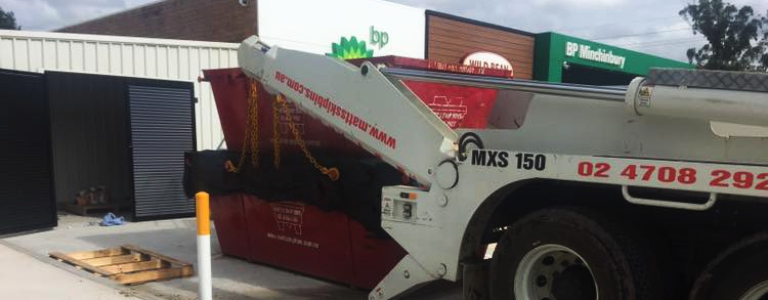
484	59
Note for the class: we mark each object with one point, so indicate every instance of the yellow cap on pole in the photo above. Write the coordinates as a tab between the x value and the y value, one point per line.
203	213
202	200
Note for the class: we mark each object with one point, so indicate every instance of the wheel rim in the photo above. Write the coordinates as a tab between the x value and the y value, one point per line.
554	272
758	292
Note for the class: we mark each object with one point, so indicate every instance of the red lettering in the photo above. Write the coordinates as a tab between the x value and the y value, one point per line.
763	185
383	137
687	176
720	177
350	118
347	118
602	170
743	180
667	174
630	172
333	109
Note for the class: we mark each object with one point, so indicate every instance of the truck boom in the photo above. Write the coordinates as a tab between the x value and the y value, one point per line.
360	103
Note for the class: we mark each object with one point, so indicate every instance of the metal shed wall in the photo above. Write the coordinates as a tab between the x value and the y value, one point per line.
126	56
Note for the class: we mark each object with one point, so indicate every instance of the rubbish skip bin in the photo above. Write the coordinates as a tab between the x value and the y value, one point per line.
332	242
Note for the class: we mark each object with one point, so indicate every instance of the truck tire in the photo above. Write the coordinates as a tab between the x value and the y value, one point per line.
571	254
738	273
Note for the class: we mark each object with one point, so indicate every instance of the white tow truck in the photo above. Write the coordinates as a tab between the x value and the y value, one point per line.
655	191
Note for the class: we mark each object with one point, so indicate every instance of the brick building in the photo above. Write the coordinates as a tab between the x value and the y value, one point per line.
204	20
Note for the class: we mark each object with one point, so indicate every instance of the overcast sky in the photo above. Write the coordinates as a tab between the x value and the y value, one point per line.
651	26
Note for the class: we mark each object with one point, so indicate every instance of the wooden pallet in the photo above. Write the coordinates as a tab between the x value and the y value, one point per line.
127	264
84	210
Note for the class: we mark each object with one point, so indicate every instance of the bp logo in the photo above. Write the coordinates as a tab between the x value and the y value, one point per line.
350	49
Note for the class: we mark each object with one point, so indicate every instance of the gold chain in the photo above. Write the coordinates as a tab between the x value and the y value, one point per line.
253	118
333	173
251	139
276	132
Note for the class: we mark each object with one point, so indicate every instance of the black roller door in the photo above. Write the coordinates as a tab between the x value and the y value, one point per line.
26	187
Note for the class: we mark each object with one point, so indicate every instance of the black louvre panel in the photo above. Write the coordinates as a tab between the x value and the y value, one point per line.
27	199
162	129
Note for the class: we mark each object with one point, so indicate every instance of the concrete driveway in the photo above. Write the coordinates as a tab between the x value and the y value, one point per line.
25	277
234	279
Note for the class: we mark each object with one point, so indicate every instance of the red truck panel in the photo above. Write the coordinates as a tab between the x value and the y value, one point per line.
230	90
458	106
229	220
300	237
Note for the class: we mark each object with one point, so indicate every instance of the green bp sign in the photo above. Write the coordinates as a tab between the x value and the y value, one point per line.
555	51
352	48
597	54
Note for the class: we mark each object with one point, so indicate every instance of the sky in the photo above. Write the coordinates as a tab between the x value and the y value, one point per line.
651	26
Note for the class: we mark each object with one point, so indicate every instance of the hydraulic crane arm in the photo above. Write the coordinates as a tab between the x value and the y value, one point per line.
381	115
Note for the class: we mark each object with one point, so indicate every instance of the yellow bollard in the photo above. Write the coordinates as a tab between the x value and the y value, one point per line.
204	245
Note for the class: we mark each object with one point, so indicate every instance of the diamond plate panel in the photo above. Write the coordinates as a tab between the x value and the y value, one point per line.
726	80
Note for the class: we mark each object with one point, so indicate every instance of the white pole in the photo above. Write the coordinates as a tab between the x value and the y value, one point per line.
204	246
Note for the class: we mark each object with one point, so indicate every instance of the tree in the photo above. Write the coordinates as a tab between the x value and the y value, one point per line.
733	35
8	20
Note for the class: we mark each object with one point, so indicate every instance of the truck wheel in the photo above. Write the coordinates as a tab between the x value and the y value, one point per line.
739	273
569	254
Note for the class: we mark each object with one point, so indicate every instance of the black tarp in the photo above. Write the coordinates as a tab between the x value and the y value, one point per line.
357	192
